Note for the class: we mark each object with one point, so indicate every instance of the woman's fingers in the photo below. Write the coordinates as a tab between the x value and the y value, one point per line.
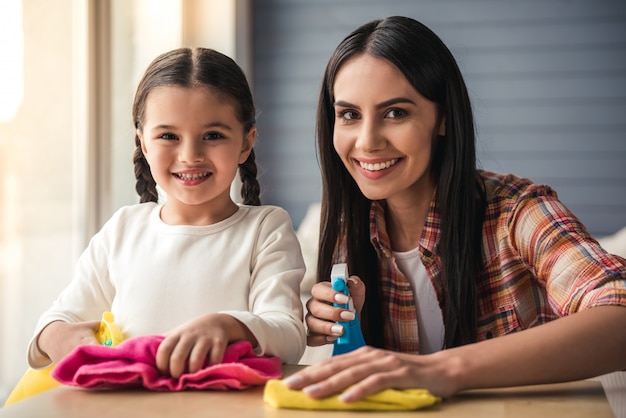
321	332
355	375
323	292
326	369
357	292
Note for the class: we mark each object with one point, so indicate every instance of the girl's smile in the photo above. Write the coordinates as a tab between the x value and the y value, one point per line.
194	143
192	178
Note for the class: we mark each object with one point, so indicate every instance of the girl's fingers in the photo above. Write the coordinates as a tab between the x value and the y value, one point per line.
164	353
217	353
198	355
179	356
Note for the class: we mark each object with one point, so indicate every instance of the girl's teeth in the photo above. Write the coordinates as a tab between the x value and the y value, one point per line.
378	166
194	176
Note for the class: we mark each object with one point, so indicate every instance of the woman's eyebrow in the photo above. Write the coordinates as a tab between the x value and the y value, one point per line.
390	102
395	100
342	103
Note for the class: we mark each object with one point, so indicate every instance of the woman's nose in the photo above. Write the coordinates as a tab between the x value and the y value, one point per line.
370	137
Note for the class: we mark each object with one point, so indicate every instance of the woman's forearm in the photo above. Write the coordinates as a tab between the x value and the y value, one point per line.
582	345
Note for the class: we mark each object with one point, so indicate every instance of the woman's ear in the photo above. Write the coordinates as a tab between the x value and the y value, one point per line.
248	142
442	126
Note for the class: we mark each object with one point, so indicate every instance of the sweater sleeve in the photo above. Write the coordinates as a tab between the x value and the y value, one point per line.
89	293
277	269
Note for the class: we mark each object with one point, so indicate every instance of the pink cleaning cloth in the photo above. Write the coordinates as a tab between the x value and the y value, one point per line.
132	363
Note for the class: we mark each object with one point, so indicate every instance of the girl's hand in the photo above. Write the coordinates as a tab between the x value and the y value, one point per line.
187	347
321	315
59	338
369	370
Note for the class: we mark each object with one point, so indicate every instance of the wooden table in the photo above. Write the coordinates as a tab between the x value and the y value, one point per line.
572	400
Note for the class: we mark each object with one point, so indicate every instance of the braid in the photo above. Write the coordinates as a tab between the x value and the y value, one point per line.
145	186
250	189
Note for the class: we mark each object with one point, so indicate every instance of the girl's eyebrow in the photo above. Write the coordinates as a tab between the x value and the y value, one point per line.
386	103
206	126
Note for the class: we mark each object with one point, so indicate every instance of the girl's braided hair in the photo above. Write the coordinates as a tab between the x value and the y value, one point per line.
188	68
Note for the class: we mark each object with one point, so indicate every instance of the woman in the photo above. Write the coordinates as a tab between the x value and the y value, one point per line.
445	257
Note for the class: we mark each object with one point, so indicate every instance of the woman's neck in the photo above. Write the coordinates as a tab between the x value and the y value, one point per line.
405	220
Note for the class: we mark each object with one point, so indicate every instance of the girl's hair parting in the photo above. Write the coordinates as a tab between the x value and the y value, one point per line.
190	68
431	69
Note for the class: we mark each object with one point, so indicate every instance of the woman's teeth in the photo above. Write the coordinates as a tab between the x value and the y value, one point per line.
378	166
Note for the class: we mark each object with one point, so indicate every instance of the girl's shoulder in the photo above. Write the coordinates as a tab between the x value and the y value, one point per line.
139	212
264	211
265	215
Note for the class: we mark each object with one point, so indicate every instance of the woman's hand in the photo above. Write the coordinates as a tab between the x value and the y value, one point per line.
321	315
557	351
59	338
369	370
187	347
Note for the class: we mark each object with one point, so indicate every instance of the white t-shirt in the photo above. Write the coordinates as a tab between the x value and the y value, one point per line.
154	277
429	315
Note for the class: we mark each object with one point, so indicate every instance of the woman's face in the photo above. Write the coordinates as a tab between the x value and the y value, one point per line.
385	131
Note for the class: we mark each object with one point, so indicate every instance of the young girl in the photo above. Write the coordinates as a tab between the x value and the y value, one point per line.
463	278
197	268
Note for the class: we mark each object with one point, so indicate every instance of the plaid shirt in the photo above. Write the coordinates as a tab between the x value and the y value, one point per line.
540	263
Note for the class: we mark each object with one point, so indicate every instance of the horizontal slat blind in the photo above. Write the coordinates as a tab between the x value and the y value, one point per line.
547	80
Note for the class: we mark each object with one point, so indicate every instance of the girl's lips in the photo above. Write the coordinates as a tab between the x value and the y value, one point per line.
192	176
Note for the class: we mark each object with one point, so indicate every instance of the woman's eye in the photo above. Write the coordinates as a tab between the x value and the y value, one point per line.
396	113
348	114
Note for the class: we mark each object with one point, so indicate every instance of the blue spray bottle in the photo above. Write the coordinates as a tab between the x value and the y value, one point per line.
352	337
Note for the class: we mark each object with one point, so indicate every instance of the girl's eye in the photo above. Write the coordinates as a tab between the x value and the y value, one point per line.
396	113
347	114
169	137
212	136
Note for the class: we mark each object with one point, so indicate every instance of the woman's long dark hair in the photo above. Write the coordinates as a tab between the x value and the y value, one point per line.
188	68
432	70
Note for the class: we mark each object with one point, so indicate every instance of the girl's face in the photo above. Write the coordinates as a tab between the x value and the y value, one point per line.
385	131
193	143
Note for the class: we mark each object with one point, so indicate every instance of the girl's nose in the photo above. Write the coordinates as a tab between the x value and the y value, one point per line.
191	152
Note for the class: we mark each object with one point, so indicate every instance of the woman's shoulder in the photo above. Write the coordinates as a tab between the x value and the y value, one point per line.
512	187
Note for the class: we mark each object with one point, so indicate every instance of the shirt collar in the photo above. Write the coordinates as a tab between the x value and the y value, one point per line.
429	240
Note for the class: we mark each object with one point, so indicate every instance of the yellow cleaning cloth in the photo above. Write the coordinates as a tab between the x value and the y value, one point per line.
35	381
278	395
